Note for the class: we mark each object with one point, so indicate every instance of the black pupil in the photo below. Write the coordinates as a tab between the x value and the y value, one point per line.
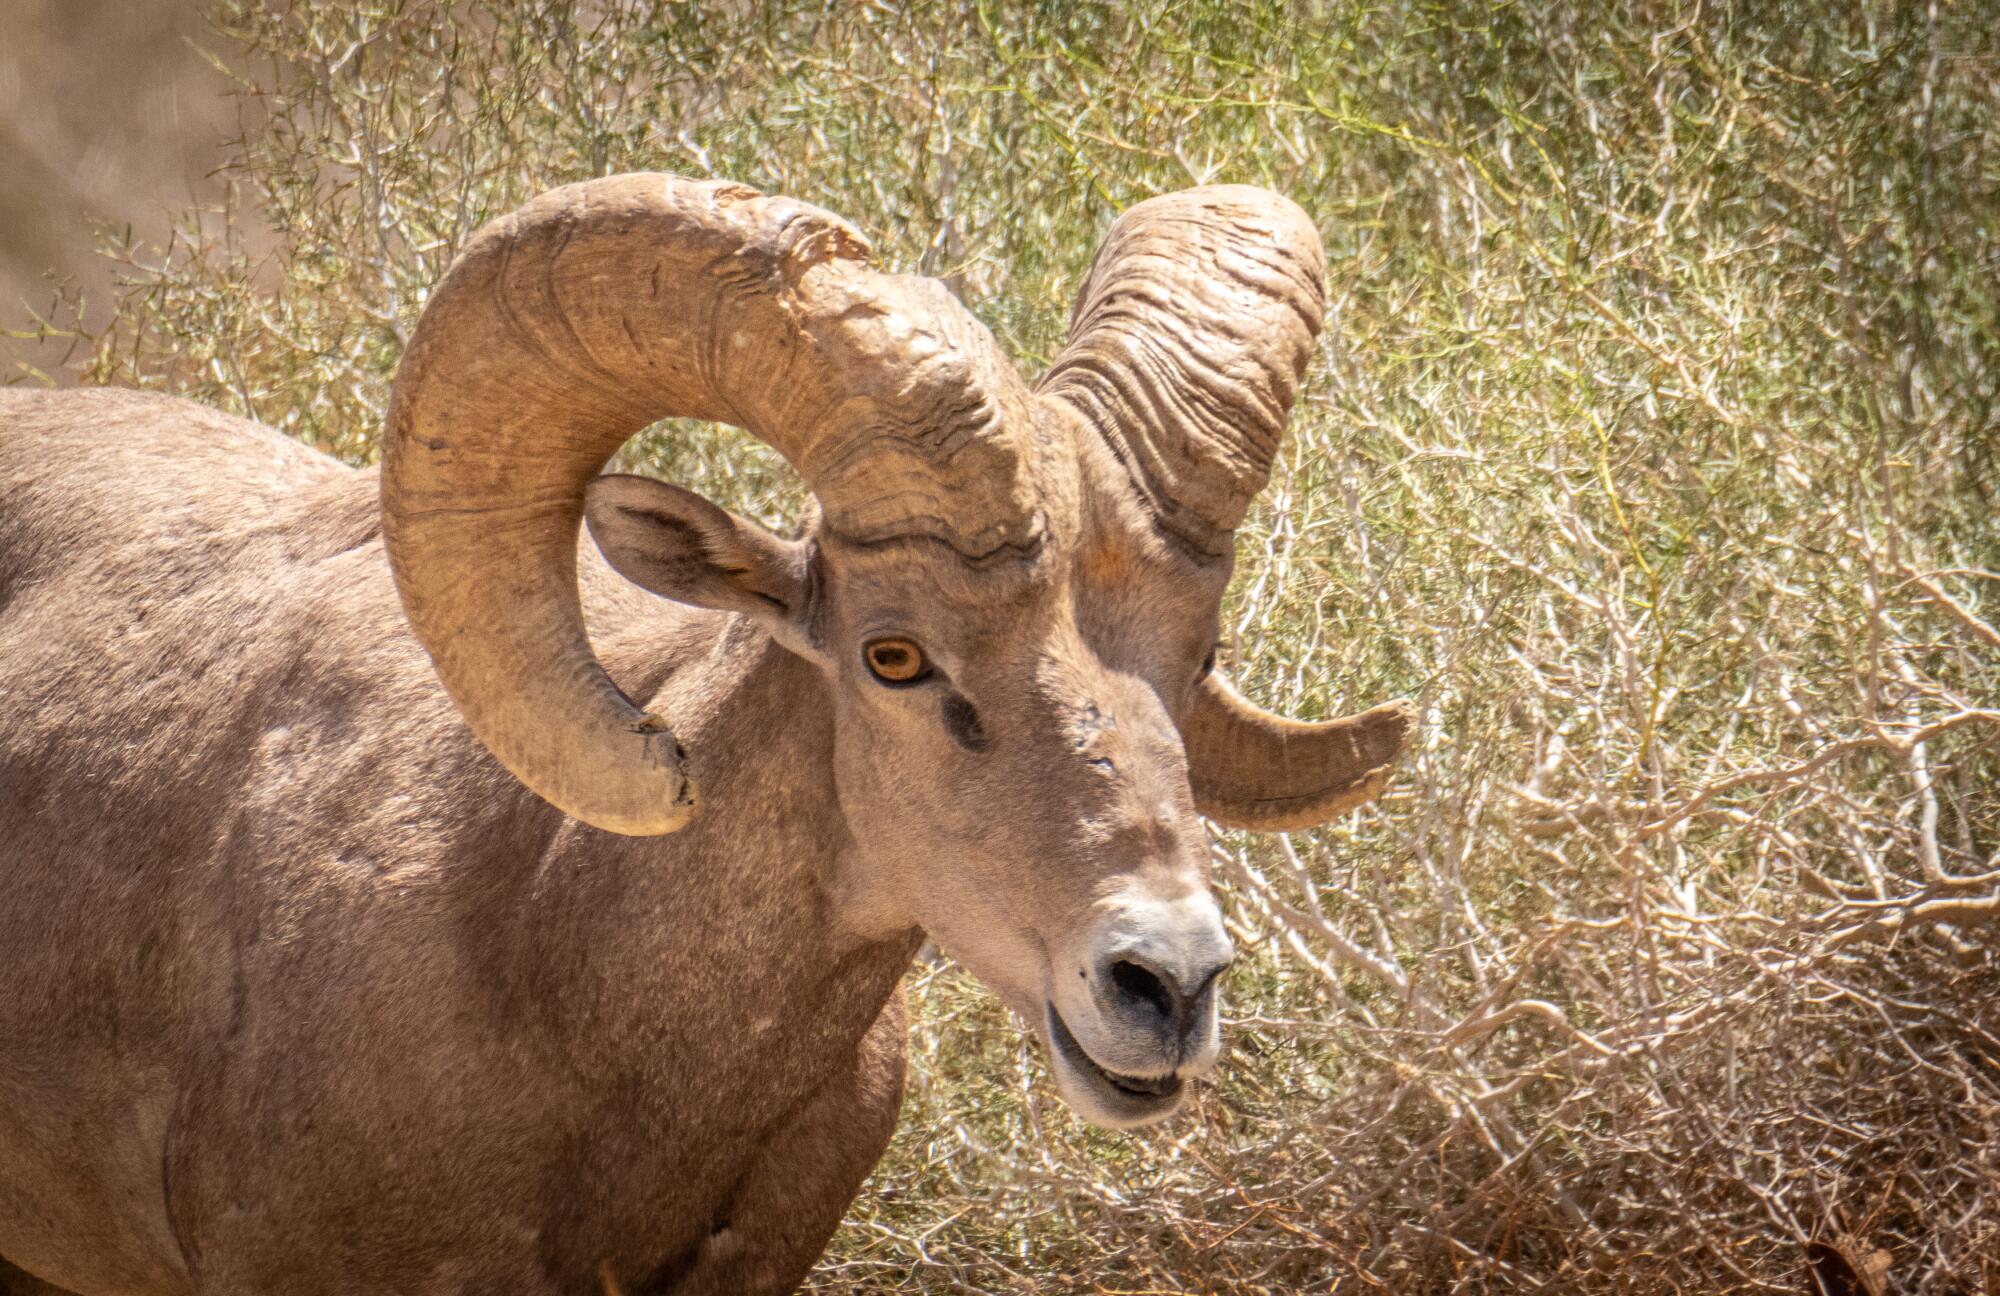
1208	662
891	659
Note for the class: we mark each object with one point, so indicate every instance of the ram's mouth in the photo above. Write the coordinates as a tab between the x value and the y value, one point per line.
1109	1097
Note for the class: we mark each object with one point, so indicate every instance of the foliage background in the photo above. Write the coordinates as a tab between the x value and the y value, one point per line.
109	113
1651	447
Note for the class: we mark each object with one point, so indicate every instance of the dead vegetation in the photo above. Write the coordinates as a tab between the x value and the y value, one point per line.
1652	448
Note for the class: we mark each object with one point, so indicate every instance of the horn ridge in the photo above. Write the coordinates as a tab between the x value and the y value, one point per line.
1187	344
602	307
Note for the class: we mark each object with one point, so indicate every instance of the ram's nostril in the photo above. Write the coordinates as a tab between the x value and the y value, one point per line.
1135	982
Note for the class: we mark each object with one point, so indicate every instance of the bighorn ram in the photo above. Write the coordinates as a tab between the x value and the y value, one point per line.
303	990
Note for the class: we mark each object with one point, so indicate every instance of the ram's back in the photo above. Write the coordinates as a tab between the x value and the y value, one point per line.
218	742
189	604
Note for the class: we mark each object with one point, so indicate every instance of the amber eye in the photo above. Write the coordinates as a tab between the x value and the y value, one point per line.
896	661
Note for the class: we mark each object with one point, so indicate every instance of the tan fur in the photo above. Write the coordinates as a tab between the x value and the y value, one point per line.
305	992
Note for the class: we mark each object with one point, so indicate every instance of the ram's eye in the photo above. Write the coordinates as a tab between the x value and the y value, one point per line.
1207	665
896	661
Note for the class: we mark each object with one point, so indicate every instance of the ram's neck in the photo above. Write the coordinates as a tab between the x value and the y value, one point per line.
713	957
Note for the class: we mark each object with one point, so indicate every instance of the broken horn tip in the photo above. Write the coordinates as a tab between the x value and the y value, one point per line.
1400	712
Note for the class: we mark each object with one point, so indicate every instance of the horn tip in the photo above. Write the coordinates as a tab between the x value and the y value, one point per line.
668	814
1399	715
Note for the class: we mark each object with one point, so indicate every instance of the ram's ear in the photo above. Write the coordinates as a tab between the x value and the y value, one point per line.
1251	769
678	545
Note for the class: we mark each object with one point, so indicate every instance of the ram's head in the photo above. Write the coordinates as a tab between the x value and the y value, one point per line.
1010	591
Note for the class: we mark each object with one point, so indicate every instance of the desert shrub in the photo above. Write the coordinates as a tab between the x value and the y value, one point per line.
1651	448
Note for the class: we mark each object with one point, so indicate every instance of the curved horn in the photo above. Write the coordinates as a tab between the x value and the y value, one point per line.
598	309
1252	769
1186	347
